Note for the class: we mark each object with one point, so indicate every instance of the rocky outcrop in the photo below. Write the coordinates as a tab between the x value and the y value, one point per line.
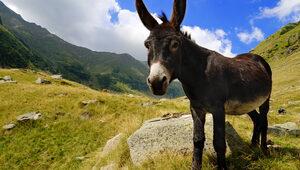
288	128
175	134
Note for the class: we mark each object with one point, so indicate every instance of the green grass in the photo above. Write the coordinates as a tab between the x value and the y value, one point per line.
281	44
61	135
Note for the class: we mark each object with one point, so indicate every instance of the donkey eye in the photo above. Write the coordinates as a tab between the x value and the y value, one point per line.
174	45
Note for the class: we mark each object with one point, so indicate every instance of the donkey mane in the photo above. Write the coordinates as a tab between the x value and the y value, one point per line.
163	17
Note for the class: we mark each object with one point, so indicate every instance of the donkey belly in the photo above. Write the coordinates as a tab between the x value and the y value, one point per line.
236	107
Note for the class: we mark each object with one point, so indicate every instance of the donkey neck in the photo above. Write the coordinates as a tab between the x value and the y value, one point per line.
194	62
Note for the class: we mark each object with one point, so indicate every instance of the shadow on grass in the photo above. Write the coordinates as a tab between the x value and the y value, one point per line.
244	157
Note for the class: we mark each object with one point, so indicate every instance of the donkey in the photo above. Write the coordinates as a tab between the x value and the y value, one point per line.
213	83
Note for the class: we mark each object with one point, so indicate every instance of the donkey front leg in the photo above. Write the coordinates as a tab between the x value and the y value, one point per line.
198	137
219	137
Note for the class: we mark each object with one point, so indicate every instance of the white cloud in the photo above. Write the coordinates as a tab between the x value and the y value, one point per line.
214	40
249	37
285	10
102	25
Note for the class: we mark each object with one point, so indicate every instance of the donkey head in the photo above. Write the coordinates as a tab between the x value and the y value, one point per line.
164	45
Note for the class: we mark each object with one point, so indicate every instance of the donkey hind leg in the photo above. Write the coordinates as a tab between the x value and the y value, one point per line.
255	117
219	138
198	137
263	110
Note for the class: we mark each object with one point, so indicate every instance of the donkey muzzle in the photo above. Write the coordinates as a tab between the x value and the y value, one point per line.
158	85
158	79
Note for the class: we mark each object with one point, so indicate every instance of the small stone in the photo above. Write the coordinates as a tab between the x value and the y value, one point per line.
42	81
7	78
288	128
29	116
274	146
87	102
58	77
130	95
62	94
281	111
80	158
295	132
148	104
85	116
112	166
163	100
105	90
9	126
111	144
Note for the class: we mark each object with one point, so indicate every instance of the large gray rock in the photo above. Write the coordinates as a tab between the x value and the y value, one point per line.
288	128
29	116
175	134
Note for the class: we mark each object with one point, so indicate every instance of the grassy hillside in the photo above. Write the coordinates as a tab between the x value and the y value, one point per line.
14	53
99	70
281	44
62	134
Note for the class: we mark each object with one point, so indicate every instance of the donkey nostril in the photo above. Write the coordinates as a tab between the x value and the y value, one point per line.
164	79
148	79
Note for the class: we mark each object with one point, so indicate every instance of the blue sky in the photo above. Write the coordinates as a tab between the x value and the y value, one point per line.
232	16
229	27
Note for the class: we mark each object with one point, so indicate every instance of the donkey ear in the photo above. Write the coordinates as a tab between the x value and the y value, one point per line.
178	13
146	18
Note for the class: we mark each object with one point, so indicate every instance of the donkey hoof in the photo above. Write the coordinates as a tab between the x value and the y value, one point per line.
265	151
254	145
196	167
222	168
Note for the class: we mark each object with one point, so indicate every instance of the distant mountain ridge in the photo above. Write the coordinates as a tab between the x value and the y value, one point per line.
100	70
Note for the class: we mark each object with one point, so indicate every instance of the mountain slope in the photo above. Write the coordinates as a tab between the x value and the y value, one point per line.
96	69
281	44
14	53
